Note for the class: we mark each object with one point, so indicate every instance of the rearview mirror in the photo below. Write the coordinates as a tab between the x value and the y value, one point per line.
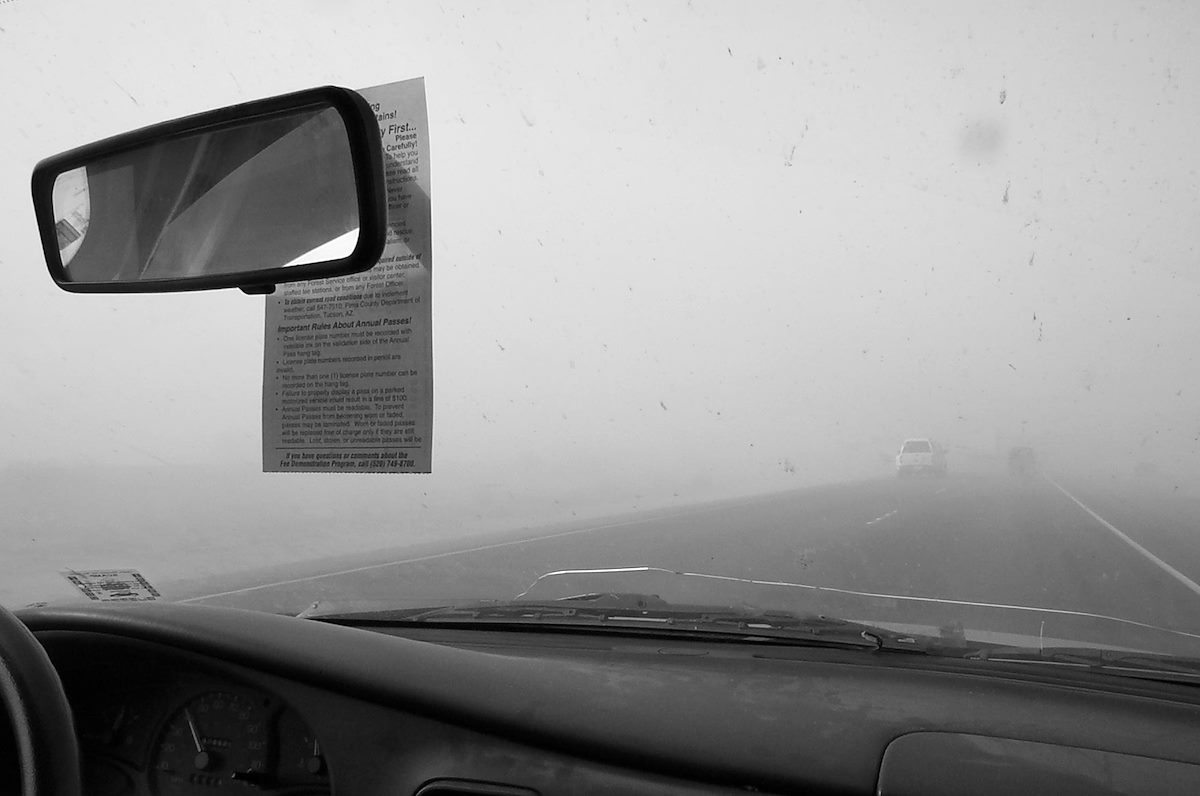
280	190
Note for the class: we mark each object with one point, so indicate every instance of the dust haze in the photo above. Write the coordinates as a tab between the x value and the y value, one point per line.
682	252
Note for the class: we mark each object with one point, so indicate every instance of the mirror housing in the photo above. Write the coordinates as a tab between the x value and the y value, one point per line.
279	190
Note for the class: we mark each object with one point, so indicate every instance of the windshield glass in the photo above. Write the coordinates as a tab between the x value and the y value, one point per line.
699	270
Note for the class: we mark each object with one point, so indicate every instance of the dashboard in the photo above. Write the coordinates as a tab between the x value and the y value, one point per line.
173	699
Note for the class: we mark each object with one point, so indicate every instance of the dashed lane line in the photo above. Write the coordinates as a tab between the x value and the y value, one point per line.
883	517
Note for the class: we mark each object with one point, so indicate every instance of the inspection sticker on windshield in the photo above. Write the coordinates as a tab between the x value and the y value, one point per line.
348	362
112	585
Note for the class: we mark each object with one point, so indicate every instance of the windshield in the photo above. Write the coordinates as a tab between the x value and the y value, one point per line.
697	271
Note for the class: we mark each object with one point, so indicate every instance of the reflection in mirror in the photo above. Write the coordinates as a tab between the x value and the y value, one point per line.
72	212
263	193
336	249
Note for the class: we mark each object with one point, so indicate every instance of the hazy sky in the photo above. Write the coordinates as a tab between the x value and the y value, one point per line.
680	248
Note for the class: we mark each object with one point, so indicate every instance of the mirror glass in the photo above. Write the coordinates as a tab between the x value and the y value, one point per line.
262	193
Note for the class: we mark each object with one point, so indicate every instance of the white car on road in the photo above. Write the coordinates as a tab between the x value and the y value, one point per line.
920	456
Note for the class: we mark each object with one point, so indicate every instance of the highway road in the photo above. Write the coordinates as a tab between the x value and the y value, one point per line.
1123	548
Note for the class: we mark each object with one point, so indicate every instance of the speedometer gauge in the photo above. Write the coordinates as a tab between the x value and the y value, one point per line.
216	740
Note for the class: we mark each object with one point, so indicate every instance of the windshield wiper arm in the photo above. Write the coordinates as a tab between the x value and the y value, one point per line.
632	612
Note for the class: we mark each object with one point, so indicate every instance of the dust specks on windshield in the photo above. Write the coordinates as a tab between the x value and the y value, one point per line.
643	228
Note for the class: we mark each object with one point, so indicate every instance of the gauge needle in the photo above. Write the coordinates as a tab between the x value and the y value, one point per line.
187	714
116	724
203	760
315	764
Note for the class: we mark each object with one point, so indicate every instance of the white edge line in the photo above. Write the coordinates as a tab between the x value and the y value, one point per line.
494	545
1170	570
414	560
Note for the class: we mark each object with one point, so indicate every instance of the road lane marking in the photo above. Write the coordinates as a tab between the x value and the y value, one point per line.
883	517
1163	565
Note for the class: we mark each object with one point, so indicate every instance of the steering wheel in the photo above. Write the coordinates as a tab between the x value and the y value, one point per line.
36	704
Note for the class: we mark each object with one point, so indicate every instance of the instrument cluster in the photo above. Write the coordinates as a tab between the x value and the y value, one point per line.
171	732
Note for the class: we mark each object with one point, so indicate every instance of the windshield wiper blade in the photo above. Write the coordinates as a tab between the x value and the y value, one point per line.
636	612
1128	662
